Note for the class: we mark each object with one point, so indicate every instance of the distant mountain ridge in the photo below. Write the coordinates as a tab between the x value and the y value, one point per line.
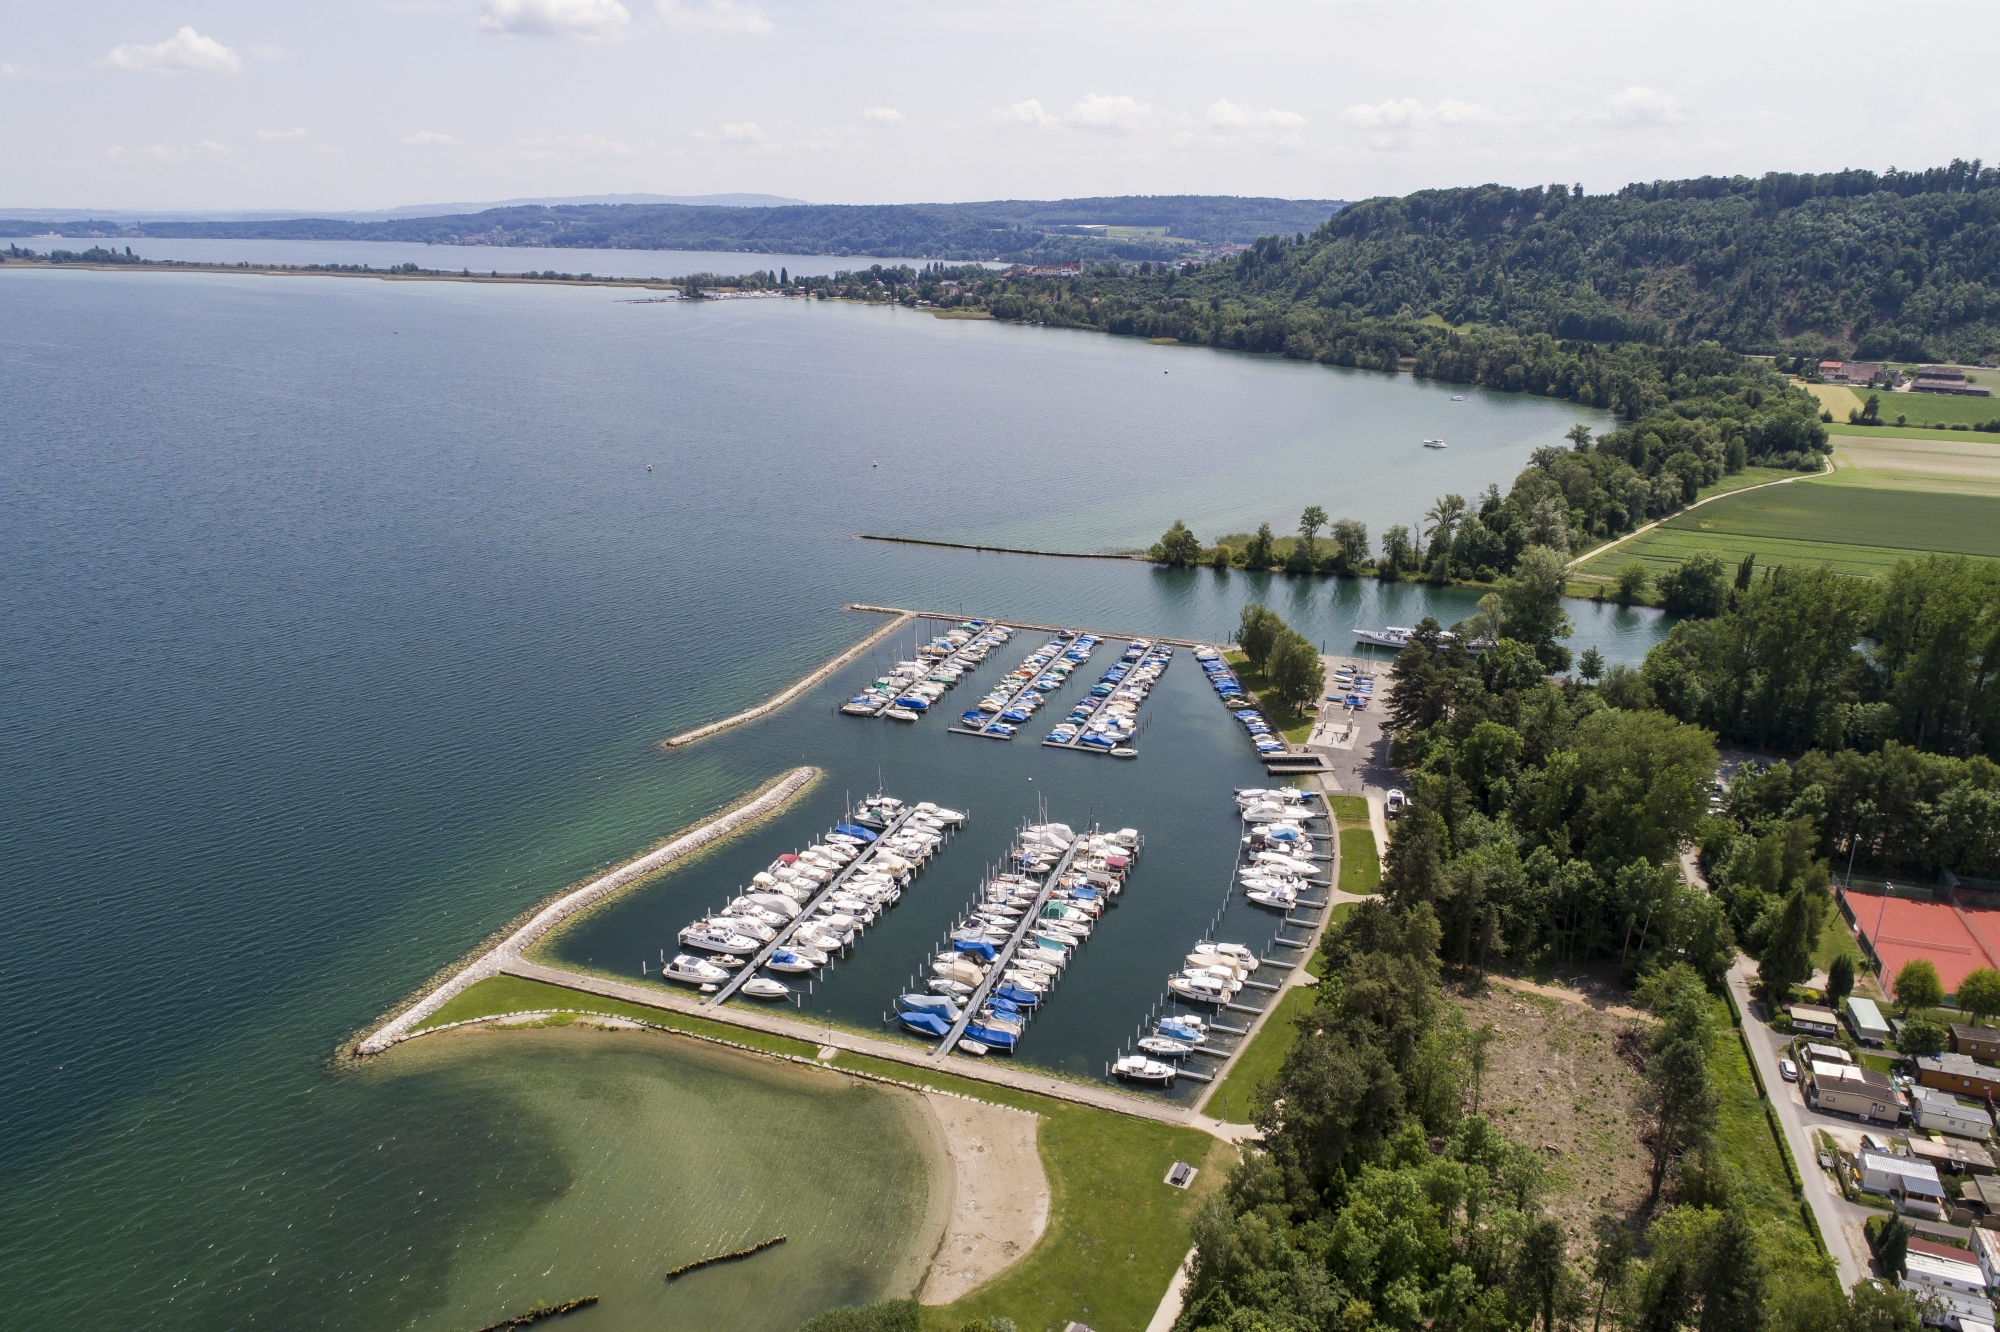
1014	230
127	217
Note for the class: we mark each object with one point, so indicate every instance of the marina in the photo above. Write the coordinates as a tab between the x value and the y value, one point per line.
1106	720
911	688
1277	860
1010	704
809	906
1014	945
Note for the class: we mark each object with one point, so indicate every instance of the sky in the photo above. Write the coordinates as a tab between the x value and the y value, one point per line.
224	104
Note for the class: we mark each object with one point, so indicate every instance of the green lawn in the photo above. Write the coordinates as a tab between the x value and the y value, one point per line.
1835	939
1116	1229
1360	870
1746	1141
1349	810
1234	1099
1931	409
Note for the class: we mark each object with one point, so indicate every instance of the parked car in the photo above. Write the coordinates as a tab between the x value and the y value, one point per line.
1393	803
1788	1070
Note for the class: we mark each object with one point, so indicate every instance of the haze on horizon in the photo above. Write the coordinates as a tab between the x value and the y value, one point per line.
221	104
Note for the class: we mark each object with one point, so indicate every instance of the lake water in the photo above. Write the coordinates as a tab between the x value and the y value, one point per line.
343	618
510	259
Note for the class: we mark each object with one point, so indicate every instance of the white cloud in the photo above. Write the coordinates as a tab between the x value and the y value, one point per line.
1412	114
1224	114
582	145
272	136
431	138
161	154
11	72
1117	115
1026	113
585	20
733	132
715	16
187	51
1634	106
884	115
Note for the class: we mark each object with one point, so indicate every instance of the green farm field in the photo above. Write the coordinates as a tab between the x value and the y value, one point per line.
1918	410
1852	529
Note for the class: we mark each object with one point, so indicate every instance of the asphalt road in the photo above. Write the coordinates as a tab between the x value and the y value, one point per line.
1840	1221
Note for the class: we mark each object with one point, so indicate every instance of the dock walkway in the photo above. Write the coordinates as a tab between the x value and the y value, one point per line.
1029	919
960	728
833	885
1075	742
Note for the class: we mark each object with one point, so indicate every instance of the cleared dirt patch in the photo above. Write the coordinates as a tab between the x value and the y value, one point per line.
1555	1080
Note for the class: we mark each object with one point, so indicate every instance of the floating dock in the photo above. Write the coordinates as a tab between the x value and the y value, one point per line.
1029	918
1058	645
1152	652
806	912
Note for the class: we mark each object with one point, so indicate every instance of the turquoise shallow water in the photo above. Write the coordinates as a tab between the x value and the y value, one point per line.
343	616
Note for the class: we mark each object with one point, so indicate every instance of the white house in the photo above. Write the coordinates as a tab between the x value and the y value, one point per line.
1958	1284
1867	1023
1986	1248
1917	1183
1934	1109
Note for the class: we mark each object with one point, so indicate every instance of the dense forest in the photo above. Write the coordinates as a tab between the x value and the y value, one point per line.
1014	230
1901	264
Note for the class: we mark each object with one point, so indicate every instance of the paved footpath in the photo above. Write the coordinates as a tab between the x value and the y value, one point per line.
917	1060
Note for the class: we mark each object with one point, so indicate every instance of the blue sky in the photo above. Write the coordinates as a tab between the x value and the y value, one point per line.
222	104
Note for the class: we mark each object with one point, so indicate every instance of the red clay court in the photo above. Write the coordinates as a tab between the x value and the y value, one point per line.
1956	939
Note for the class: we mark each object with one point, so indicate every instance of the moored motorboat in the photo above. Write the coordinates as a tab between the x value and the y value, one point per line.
1165	1047
763	987
1138	1068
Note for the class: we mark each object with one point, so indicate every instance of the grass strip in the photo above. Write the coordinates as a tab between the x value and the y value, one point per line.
1349	811
1260	1061
499	995
1296	726
1360	869
1751	1145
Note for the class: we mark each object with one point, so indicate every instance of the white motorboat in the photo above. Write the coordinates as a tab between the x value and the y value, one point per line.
1235	951
1435	444
763	987
968	1046
1198	989
956	989
900	714
1393	637
692	970
789	962
1138	1068
1124	752
1165	1047
718	941
1392	804
1278	899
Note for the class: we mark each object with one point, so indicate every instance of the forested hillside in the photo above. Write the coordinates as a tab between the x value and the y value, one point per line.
1015	230
1903	264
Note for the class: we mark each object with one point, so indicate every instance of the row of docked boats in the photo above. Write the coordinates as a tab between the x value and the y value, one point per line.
1351	689
912	687
1211	974
1280	859
806	907
1011	947
1105	720
1230	690
1023	690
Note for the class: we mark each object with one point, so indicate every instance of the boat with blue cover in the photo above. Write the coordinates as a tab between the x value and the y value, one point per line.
925	1024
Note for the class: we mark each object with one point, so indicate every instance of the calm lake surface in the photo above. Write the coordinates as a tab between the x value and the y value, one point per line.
510	259
343	618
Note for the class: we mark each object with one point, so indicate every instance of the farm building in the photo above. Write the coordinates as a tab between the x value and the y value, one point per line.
1865	1020
1939	379
1934	1109
1818	1021
1957	1073
1979	1042
1844	1089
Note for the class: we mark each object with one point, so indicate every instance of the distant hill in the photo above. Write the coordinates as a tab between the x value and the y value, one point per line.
1011	230
128	217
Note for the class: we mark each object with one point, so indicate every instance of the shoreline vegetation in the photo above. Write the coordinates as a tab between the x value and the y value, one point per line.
493	955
